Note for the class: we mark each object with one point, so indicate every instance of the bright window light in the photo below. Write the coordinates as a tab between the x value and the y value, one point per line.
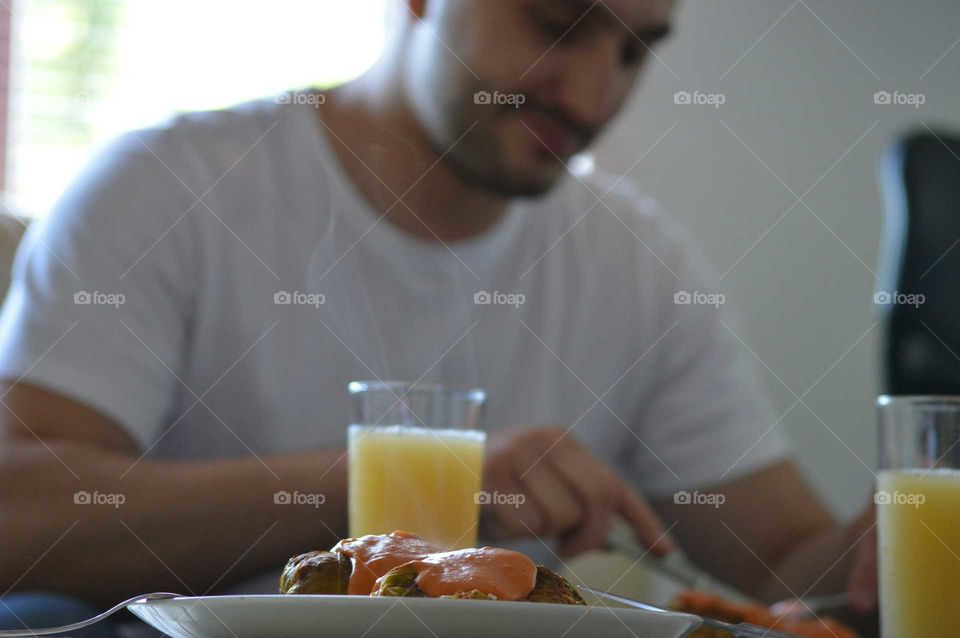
84	71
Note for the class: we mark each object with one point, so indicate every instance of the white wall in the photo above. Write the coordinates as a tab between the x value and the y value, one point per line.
799	98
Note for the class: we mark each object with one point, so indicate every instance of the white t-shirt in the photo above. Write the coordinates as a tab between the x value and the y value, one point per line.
162	312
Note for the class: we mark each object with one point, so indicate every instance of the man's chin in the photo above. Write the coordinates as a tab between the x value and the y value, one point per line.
513	183
537	178
517	185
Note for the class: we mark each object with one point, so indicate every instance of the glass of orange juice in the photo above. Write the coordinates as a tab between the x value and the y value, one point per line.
416	460
918	515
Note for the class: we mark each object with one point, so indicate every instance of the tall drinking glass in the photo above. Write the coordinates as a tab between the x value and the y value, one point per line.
416	460
918	515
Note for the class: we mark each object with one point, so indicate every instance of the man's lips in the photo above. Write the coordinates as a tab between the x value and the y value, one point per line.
551	135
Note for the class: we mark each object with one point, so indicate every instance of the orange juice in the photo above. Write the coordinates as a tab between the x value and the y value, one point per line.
421	480
918	522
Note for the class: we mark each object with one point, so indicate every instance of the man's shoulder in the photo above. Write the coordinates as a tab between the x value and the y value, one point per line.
146	181
231	124
212	141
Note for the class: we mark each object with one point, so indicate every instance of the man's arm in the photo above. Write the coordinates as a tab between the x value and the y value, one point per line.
185	527
770	537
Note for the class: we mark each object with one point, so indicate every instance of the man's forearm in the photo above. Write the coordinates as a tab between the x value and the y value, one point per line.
820	564
186	527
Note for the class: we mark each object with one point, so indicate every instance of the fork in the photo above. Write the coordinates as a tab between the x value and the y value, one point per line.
46	631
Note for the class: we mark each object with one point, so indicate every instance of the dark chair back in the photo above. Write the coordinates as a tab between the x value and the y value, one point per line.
918	289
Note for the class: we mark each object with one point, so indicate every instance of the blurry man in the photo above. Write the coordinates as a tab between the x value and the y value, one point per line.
161	340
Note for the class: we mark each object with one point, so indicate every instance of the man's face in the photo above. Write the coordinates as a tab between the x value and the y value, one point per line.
536	79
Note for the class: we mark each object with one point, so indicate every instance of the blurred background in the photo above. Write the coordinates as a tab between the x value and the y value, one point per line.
778	183
800	80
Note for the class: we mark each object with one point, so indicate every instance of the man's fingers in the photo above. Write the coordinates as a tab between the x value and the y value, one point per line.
592	534
644	521
559	505
604	493
591	481
565	491
510	518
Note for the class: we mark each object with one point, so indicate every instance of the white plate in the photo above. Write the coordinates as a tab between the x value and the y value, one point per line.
374	617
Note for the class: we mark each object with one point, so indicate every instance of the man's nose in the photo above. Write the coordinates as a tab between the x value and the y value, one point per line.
591	83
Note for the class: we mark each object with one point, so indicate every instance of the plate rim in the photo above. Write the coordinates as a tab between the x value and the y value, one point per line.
162	614
234	599
383	600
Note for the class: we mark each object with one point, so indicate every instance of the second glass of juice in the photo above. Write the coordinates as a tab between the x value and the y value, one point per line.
416	460
918	515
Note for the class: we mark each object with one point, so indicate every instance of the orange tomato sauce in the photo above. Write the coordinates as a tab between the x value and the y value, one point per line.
503	573
374	556
506	574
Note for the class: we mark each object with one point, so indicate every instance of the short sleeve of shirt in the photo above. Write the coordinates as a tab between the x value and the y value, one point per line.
99	300
707	418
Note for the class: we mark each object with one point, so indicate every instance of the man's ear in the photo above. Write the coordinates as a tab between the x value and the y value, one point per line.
417	8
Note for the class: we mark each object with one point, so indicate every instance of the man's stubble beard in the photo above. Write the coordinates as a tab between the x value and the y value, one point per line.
477	158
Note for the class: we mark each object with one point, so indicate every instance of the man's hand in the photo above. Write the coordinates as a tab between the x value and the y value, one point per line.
559	489
862	585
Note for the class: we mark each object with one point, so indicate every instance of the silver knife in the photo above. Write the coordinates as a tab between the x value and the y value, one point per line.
676	565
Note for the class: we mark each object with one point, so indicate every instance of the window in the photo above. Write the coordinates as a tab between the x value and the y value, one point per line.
84	71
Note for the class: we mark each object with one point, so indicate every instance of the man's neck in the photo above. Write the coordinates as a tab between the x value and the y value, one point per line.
387	155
